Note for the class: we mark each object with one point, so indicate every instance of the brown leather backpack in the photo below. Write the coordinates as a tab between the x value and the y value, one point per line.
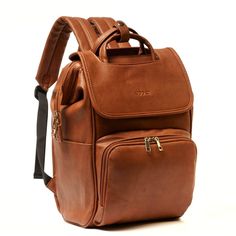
121	126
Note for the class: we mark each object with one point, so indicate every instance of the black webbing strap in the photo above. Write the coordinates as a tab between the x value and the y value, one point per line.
42	119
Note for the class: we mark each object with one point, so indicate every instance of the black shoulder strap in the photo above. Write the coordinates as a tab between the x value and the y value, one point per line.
42	119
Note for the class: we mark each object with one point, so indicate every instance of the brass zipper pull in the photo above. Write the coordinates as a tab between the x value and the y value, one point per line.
55	124
157	140
147	144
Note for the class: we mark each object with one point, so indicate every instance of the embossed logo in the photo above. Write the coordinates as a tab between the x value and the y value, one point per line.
142	92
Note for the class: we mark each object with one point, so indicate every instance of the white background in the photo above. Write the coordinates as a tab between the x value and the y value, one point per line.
202	32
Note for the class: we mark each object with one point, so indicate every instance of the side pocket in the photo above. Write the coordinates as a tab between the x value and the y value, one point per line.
74	180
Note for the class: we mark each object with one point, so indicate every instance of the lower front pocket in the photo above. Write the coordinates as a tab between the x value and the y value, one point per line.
144	175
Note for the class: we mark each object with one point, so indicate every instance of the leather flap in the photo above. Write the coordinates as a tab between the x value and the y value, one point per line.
135	90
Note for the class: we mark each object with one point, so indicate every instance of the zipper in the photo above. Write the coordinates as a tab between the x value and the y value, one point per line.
56	115
147	144
55	124
149	140
133	141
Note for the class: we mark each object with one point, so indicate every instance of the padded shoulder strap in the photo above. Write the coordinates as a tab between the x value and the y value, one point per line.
56	43
102	25
48	72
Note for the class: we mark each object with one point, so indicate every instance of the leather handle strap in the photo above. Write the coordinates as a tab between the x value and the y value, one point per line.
142	40
123	30
105	36
56	43
102	25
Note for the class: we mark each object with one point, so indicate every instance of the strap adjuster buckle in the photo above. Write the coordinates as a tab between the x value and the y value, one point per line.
39	89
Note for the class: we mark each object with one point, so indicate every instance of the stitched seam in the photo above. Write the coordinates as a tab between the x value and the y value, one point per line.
108	45
94	171
125	113
160	112
184	73
108	23
87	33
87	75
75	142
136	65
97	26
93	151
47	82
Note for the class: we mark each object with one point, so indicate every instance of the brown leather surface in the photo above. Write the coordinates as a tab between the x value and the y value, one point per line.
74	188
108	99
108	126
159	87
141	185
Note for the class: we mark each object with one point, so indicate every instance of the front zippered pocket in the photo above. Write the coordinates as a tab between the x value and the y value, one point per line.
123	157
155	141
